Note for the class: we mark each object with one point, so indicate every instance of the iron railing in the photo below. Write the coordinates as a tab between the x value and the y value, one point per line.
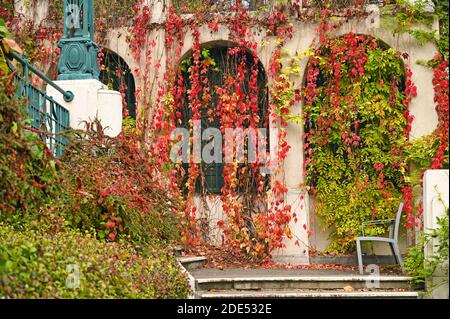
47	115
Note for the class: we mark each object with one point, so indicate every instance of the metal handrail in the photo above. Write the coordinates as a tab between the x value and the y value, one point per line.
68	95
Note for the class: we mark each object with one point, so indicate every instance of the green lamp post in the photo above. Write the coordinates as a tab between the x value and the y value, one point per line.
78	57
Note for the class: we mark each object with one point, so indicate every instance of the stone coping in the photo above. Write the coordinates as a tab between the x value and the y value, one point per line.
302	278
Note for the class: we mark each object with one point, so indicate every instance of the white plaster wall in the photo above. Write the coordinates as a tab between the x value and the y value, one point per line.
37	10
209	209
297	247
116	42
209	213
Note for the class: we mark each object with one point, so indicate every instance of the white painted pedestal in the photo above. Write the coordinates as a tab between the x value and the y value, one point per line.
435	201
91	99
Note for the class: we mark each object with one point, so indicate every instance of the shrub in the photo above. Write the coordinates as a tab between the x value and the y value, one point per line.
421	268
33	264
54	213
109	184
28	176
112	185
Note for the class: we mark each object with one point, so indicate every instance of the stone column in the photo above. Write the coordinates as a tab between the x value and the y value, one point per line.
297	247
78	72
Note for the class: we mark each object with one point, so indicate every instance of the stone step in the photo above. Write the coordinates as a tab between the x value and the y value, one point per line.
192	262
292	294
353	260
302	282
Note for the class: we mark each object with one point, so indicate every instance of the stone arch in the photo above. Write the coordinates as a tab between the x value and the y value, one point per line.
319	234
228	44
422	106
210	43
382	43
219	52
224	44
118	76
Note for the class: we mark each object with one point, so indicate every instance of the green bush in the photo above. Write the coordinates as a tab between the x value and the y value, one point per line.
33	264
109	184
102	207
112	185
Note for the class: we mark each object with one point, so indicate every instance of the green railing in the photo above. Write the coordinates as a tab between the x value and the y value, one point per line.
48	117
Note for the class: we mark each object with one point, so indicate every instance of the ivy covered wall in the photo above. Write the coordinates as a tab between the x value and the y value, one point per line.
360	81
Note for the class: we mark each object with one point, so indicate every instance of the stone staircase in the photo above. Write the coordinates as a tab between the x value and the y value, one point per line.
293	283
302	286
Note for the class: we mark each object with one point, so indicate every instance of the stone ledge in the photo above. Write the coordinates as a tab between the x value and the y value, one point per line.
292	259
305	278
192	262
352	260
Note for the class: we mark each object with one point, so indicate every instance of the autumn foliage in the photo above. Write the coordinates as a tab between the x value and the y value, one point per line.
356	98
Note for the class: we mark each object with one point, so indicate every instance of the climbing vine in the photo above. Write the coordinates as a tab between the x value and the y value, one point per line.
248	226
357	121
356	98
440	84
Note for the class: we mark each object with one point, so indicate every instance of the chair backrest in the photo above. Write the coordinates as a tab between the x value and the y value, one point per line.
397	220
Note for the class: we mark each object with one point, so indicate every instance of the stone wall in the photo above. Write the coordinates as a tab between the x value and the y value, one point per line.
422	107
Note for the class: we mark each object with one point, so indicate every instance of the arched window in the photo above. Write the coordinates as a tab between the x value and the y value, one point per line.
225	63
116	74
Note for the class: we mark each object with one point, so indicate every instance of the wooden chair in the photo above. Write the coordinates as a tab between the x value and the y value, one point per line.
392	240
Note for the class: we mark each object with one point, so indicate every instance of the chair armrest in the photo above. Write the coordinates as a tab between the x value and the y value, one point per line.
381	221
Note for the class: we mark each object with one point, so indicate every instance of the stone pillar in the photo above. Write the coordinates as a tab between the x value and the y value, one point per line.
296	250
78	72
297	247
435	203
